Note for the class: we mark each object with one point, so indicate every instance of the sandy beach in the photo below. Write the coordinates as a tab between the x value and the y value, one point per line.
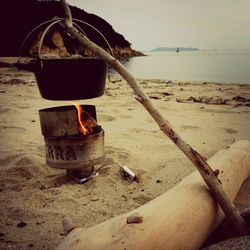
34	197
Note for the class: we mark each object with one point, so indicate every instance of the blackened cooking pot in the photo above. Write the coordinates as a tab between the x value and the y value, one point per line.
68	78
71	78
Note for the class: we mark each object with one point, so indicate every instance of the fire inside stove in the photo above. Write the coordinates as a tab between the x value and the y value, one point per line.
73	139
87	124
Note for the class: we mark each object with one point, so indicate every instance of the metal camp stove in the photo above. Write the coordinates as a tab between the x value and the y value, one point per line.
66	146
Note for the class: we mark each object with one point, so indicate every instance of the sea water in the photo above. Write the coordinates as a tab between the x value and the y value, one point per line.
230	66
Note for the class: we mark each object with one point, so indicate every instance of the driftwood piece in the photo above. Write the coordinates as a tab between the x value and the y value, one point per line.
200	163
181	218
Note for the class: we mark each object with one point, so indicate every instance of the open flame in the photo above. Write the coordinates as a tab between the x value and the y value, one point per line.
82	126
86	122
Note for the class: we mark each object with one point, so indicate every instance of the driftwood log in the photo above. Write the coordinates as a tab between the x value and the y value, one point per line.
181	218
210	177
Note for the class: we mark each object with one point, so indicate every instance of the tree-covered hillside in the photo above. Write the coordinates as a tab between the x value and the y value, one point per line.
19	17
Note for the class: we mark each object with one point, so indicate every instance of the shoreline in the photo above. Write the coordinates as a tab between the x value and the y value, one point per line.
40	196
9	61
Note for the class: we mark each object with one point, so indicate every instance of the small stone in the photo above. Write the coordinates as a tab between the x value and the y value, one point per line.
158	181
167	93
107	93
154	97
216	172
94	198
22	224
39	222
134	218
42	187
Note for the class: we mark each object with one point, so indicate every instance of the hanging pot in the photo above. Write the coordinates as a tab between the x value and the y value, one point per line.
66	78
70	79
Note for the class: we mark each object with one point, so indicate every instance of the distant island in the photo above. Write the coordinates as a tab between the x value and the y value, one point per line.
177	49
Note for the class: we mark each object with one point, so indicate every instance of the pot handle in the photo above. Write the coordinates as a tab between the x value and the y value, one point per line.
52	22
28	65
77	27
43	36
94	28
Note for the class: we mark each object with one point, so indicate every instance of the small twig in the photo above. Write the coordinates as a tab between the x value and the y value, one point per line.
200	163
68	225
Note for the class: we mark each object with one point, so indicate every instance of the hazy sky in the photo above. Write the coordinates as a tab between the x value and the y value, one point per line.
147	24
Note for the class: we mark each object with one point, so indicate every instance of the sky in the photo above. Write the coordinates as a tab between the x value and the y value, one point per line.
148	24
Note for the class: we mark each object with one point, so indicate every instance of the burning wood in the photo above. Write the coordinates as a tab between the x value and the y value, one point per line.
87	124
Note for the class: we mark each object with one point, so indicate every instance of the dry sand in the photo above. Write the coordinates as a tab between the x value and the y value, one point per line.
34	197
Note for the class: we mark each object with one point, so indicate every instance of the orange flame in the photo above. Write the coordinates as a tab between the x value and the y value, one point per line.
83	126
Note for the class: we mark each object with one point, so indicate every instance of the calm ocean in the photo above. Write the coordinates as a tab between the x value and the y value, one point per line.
205	66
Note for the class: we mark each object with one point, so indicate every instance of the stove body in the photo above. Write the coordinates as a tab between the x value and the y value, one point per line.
65	146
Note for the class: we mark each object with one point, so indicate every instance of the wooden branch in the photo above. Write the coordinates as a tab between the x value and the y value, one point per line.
209	176
68	19
181	218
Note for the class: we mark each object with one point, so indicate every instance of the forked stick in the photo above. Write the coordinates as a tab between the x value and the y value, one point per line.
209	176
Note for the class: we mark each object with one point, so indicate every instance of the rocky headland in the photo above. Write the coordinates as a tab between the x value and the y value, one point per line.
18	18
